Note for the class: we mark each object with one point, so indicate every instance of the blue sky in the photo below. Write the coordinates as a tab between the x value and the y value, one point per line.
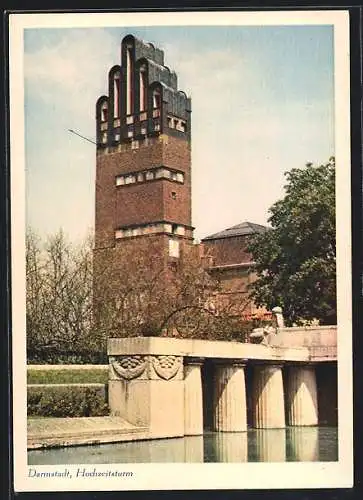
262	101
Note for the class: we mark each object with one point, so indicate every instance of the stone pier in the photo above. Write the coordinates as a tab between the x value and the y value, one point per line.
193	398
230	412
268	397
143	389
301	395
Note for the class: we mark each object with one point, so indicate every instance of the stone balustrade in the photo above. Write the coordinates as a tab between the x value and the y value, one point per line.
159	383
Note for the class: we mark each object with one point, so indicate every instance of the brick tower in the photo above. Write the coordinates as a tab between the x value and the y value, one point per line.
143	171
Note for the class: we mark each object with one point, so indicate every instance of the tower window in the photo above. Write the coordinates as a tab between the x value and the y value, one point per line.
116	95
173	248
104	112
154	228
173	195
156	100
162	173
129	67
150	175
130	179
143	88
180	125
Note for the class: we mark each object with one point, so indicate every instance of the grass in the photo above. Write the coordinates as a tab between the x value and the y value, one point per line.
67	376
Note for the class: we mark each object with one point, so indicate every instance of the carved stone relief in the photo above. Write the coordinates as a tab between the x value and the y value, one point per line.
166	366
128	367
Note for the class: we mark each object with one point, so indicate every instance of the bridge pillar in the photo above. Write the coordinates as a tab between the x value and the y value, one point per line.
268	397
193	399
230	409
302	401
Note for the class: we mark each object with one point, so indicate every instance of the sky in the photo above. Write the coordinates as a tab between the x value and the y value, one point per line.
262	104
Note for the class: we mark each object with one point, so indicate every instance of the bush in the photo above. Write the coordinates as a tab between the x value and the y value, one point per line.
67	401
67	376
55	356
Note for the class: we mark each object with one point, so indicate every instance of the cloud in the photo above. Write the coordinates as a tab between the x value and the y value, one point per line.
244	134
72	71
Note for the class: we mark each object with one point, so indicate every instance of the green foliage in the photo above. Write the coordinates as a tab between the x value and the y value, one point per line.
56	355
67	401
67	376
295	261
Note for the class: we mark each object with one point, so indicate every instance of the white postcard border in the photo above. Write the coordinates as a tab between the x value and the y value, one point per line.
187	476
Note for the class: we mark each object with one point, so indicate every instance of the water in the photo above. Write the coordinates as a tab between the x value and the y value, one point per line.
309	444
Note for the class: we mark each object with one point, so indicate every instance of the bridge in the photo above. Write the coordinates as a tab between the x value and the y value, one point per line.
179	387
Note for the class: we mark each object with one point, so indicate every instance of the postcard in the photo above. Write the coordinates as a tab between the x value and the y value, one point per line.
180	234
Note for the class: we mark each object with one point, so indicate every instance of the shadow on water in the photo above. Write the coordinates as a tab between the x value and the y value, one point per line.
309	444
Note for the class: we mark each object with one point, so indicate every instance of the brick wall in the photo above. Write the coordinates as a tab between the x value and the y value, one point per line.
225	251
145	202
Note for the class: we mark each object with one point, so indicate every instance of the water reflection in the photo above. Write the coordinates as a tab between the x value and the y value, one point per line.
267	445
193	449
256	445
304	443
228	446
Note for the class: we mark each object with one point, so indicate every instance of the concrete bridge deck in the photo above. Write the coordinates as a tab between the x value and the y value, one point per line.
288	344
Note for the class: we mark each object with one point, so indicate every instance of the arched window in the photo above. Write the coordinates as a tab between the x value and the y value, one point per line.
156	99
104	112
129	90
143	86
116	95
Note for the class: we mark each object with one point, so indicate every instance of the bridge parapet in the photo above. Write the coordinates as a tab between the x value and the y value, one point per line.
308	336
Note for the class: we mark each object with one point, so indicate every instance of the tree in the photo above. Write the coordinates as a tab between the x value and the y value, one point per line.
58	294
138	293
76	300
295	259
